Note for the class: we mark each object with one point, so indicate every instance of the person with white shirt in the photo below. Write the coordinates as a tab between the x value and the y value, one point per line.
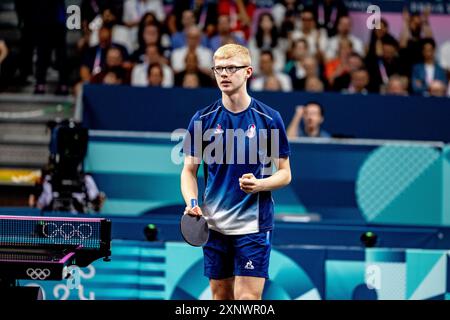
317	38
280	9
133	10
343	32
267	38
444	56
267	70
120	34
204	55
139	72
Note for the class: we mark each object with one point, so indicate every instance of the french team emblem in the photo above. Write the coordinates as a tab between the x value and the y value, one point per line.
251	131
219	129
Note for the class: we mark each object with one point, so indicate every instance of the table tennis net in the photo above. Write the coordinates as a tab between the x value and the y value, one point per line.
45	231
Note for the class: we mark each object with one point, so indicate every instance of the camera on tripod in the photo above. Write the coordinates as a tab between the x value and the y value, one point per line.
65	185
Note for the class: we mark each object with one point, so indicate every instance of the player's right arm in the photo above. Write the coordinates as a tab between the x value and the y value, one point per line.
189	185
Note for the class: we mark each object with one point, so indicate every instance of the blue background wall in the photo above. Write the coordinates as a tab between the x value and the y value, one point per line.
349	182
372	116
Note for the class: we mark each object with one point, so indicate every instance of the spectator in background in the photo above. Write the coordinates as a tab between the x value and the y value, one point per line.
164	40
204	55
267	70
134	10
344	29
224	34
304	67
27	44
289	24
94	60
155	75
271	83
48	24
8	66
119	33
295	67
359	82
317	38
91	9
241	13
205	13
314	84
180	38
114	59
115	76
150	34
437	88
191	81
381	68
397	85
312	70
328	13
285	8
312	115
339	66
191	63
424	73
267	38
444	56
152	55
377	38
415	28
3	51
355	62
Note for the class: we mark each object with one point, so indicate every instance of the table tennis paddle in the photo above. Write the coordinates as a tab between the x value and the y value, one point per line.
194	229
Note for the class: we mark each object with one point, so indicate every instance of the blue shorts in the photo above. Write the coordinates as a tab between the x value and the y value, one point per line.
226	256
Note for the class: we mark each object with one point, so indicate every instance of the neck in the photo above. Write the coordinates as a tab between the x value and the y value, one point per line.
236	102
429	61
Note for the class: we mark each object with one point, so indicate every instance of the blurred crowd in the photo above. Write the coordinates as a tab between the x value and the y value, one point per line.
296	45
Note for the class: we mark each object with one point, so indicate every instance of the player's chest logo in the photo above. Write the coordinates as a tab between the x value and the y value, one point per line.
251	131
218	129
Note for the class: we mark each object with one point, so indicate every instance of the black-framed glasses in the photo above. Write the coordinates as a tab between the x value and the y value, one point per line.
228	69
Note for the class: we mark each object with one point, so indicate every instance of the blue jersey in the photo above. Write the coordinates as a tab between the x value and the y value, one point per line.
230	145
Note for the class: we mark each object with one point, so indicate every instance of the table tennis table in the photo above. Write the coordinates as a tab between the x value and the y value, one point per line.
43	248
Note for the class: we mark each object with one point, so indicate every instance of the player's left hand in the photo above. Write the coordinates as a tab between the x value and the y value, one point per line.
249	184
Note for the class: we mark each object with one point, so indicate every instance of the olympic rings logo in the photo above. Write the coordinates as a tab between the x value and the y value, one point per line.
67	230
38	273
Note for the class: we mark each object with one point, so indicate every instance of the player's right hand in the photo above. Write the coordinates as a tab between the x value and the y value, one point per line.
195	211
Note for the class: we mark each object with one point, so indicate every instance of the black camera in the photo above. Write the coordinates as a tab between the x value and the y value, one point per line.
65	174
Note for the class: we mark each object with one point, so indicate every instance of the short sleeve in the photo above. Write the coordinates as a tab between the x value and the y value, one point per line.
283	143
194	131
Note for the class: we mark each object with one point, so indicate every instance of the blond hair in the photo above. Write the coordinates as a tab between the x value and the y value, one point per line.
232	50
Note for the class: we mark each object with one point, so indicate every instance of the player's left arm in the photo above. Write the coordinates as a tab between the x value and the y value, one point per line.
282	177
